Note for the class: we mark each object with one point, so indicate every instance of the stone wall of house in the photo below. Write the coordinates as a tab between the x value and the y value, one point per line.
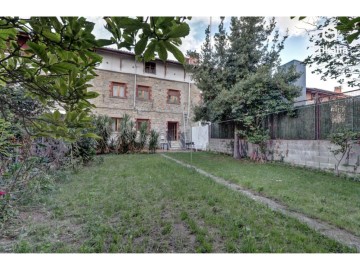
157	110
309	153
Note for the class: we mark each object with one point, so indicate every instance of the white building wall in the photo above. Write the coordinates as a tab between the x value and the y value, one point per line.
113	61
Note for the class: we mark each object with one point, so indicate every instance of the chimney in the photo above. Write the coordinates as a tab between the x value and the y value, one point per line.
337	89
191	60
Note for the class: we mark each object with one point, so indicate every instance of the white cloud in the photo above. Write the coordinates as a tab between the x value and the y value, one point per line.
192	41
99	29
215	20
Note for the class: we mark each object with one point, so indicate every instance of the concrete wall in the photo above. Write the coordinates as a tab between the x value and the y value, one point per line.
310	153
221	145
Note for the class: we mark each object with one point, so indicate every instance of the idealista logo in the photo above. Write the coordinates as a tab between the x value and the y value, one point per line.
330	34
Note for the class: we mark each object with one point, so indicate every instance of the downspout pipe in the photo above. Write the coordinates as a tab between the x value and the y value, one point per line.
188	114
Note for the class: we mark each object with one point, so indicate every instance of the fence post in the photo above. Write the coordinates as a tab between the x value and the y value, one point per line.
353	113
317	117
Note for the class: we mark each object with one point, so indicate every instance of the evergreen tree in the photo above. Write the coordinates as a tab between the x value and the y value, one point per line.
250	84
204	74
220	54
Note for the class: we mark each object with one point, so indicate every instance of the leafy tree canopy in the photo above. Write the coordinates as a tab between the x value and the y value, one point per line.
241	78
337	49
53	60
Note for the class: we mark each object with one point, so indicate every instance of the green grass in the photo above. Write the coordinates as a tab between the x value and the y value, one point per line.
317	194
146	203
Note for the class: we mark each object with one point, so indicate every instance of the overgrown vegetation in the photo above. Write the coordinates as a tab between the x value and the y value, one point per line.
130	140
103	129
146	203
153	141
241	78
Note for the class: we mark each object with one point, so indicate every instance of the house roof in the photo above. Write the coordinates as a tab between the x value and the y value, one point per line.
322	91
112	50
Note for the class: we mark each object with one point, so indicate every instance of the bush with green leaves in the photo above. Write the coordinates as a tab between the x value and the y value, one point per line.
153	141
130	140
103	129
22	181
344	140
84	149
6	138
126	139
142	137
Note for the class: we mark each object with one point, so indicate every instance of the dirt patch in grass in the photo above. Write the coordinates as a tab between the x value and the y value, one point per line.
182	236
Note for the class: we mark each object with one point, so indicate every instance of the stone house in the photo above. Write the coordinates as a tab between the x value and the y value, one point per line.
161	94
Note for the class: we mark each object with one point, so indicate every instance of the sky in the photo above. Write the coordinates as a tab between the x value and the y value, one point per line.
297	46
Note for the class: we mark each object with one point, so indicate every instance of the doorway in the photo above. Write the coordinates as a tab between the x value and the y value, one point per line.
173	131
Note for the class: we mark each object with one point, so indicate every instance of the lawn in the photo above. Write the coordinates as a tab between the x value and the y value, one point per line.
317	194
146	203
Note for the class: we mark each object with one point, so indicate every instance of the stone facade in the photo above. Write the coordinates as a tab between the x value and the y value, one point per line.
157	109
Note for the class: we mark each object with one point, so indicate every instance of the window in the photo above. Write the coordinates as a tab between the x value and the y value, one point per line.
117	90
150	67
173	96
116	124
143	92
140	121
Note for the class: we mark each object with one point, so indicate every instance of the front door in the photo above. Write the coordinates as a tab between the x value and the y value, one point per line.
173	131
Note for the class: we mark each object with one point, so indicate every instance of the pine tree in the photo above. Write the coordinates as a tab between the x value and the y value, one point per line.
246	82
204	74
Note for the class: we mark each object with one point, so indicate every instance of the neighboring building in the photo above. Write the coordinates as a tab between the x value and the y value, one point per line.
310	95
300	67
161	94
313	94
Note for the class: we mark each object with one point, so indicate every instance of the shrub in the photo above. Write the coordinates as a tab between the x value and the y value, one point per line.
24	182
344	139
84	149
127	136
102	124
143	134
153	141
113	145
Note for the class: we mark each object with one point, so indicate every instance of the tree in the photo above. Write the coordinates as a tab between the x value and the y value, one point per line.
337	50
250	84
203	74
344	139
53	60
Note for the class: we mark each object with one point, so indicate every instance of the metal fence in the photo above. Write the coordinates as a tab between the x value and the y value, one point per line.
317	121
309	122
223	130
